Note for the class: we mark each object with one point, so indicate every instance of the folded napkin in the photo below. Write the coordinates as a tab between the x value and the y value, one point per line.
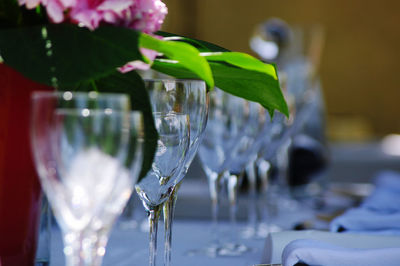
276	242
388	179
367	221
379	213
312	252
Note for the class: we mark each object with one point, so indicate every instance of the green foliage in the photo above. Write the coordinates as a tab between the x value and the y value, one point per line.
242	60
64	54
251	85
237	73
202	46
70	57
12	15
187	55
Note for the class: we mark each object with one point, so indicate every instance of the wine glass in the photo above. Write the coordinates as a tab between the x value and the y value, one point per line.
256	133
103	221
189	97
226	123
247	118
154	189
80	143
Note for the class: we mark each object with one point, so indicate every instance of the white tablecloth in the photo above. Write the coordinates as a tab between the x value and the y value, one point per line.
130	247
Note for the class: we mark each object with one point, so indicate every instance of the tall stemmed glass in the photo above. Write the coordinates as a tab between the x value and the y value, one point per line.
273	152
243	160
103	221
189	97
225	128
246	120
79	143
174	134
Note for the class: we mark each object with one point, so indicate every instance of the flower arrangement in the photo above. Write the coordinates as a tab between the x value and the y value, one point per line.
98	44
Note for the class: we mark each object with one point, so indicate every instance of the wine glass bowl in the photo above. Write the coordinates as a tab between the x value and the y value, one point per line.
184	96
80	143
174	131
155	188
173	142
228	126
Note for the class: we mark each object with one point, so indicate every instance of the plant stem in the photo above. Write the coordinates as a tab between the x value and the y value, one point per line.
93	83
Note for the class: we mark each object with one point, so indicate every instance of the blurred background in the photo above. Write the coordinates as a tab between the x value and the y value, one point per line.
359	60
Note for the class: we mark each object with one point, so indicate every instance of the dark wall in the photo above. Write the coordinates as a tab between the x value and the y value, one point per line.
360	61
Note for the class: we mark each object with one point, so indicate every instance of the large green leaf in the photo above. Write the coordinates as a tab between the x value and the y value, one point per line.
12	15
187	55
251	85
242	60
132	84
202	46
65	54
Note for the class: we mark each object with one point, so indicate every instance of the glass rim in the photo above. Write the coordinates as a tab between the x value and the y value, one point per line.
170	113
106	111
172	80
91	94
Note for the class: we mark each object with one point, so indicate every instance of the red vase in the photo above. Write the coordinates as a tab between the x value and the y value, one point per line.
19	186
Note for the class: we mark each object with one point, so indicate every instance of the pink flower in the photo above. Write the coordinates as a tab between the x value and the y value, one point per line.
149	54
142	15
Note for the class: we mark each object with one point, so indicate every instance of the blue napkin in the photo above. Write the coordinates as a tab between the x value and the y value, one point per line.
379	213
312	252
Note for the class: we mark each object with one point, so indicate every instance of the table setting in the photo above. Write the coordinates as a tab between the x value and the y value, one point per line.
120	123
364	235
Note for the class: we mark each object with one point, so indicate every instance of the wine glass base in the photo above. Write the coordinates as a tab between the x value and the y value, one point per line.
224	250
261	232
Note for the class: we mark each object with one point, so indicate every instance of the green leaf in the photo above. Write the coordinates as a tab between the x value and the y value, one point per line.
185	54
202	46
251	85
242	60
9	12
65	54
132	84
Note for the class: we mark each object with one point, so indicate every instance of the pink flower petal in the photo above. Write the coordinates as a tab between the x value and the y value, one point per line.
29	3
68	3
115	5
142	15
149	54
134	65
88	18
55	11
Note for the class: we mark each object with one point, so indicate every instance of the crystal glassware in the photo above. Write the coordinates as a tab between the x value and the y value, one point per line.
154	189
80	143
102	222
227	117
189	97
243	160
246	120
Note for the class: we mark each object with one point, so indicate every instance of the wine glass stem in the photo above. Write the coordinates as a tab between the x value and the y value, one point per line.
263	168
252	214
169	210
153	216
78	249
213	182
232	184
99	247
